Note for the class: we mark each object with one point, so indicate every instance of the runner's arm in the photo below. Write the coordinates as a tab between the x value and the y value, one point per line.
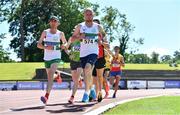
122	62
104	38
40	45
63	39
109	52
76	34
68	43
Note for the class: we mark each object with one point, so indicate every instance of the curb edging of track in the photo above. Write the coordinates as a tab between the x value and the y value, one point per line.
102	109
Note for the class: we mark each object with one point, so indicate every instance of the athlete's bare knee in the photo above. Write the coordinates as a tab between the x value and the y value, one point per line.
88	66
111	81
118	78
88	70
54	67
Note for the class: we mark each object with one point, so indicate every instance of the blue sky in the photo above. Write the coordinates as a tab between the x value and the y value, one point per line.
157	21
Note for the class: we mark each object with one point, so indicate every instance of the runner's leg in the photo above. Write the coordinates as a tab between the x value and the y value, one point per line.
50	73
116	83
100	83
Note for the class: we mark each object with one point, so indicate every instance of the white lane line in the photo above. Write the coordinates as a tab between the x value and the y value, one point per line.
113	104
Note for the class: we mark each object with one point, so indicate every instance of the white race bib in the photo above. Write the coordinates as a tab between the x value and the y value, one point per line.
116	65
89	41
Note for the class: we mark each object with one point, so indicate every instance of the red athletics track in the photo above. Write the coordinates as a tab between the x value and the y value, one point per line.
28	103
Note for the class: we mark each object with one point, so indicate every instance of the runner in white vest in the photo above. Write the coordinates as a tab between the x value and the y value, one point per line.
88	33
50	43
89	44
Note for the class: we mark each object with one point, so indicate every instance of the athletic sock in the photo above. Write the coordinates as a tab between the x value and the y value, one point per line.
93	87
87	92
47	95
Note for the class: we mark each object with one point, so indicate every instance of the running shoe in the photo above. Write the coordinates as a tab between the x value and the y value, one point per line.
85	98
114	95
99	97
92	95
71	100
44	99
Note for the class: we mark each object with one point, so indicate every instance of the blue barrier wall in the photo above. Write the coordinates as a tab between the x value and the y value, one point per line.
172	84
33	85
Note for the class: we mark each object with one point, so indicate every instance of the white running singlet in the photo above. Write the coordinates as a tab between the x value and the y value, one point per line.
52	40
89	45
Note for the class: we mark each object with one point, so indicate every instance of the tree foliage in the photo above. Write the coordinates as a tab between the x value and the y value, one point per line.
33	18
137	58
4	55
119	28
154	58
166	59
28	18
177	56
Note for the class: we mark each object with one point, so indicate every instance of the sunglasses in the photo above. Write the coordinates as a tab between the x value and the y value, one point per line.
53	20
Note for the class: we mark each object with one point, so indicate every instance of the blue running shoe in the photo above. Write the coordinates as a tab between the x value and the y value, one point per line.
92	95
44	99
85	98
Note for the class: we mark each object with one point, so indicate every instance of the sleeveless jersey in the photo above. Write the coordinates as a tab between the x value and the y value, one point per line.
52	40
116	63
101	51
75	51
89	45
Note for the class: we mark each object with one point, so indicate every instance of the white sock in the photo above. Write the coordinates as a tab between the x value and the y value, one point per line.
87	92
93	87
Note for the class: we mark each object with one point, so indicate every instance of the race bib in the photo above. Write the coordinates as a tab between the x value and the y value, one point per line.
55	46
76	48
115	65
89	41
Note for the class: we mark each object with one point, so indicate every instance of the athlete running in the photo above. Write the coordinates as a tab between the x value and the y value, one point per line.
88	33
75	64
50	43
116	69
99	66
106	72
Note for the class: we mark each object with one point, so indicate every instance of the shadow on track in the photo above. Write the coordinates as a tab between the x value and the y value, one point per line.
80	107
27	108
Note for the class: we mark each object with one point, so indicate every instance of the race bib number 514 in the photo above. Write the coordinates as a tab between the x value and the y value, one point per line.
89	41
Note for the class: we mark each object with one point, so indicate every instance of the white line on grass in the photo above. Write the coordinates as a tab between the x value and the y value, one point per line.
113	104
